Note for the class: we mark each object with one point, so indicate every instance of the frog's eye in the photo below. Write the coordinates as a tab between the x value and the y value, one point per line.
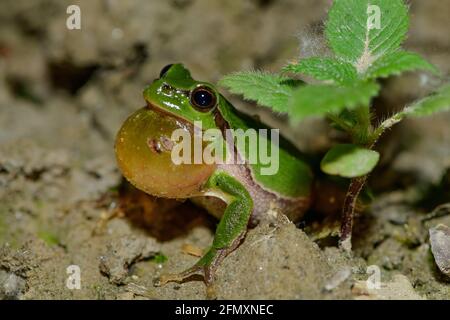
164	70
203	98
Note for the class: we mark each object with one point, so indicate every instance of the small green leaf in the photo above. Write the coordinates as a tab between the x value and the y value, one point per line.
361	31
316	100
397	62
437	102
349	161
324	69
159	258
269	90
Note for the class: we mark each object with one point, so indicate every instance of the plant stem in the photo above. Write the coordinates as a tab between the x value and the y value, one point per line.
348	210
385	125
367	136
340	123
362	136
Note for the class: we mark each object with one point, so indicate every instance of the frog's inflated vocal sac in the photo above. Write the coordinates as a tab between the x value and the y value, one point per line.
236	192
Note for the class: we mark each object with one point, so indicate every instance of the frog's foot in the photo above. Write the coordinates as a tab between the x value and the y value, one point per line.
206	266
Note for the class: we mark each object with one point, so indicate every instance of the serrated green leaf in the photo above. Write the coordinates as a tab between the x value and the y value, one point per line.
269	90
437	102
324	69
316	100
351	38
397	62
349	161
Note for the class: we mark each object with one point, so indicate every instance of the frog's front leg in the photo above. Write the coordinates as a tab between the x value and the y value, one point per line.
229	233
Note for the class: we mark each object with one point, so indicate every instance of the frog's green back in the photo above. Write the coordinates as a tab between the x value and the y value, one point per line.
294	176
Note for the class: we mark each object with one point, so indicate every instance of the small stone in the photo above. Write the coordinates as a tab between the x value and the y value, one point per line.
122	253
338	278
11	285
399	288
440	247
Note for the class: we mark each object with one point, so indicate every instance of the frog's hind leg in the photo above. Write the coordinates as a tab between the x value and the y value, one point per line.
207	266
229	234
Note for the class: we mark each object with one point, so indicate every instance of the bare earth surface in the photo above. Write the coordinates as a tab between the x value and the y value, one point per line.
64	94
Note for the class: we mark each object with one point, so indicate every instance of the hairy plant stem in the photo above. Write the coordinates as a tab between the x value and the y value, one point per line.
362	135
366	136
348	211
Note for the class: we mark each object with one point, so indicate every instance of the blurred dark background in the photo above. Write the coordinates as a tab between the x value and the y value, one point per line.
69	81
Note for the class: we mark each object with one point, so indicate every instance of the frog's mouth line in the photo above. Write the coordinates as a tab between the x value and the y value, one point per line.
160	110
218	118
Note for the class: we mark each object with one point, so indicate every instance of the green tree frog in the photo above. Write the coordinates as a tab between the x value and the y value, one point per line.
236	192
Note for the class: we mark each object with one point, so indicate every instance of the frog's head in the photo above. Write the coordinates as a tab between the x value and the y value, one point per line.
176	93
144	142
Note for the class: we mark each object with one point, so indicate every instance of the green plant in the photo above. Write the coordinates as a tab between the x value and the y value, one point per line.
159	258
365	37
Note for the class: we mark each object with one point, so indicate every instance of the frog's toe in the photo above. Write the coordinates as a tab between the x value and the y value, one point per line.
176	277
205	271
211	292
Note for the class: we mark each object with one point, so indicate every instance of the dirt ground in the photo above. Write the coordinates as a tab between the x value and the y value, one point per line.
64	94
